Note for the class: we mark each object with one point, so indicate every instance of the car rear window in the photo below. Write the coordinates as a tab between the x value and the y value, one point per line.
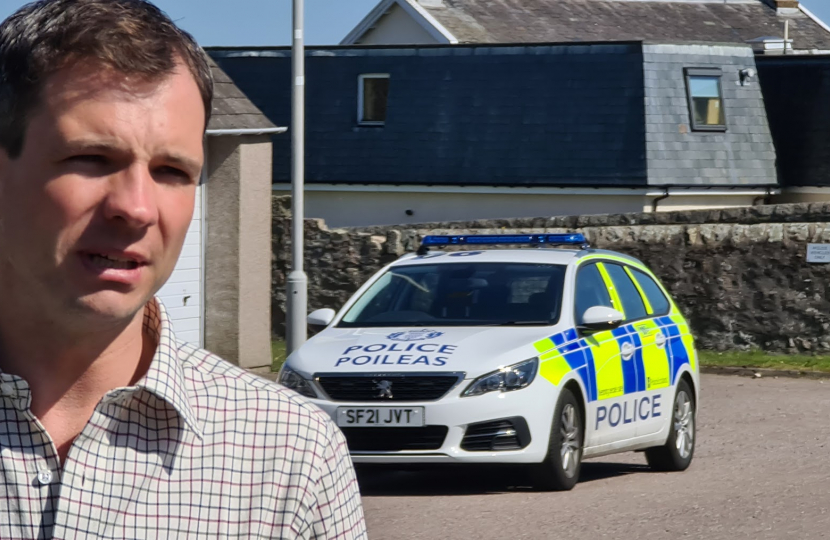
659	303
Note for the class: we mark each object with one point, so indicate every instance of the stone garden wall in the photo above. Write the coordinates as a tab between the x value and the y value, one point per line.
740	275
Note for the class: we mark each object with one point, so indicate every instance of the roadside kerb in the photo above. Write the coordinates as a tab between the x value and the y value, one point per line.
763	372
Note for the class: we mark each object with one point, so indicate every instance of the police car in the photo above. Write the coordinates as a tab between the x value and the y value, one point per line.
540	357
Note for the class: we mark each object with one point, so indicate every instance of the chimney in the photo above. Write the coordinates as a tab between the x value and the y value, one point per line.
780	5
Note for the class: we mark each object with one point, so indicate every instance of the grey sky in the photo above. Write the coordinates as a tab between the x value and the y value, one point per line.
268	22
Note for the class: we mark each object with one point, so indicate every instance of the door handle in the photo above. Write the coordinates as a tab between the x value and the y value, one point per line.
627	351
660	339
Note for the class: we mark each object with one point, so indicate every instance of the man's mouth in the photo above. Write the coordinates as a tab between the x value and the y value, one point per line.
110	261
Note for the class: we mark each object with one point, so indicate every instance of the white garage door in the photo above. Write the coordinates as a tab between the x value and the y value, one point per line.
182	294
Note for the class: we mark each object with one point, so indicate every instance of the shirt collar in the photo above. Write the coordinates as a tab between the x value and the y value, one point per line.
165	378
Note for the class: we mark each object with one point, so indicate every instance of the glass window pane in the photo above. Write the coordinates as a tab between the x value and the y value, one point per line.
707	102
708	111
629	295
590	291
659	302
704	87
375	95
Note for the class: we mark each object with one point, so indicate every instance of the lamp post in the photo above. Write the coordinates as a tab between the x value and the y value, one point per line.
297	286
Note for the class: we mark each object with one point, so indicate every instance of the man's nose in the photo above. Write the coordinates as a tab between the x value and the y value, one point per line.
132	198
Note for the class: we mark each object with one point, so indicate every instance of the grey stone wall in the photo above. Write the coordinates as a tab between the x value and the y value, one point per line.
743	154
740	275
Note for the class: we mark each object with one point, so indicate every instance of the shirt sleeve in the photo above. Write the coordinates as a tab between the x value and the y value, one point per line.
339	512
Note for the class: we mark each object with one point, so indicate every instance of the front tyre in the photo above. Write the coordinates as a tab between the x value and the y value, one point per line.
677	453
560	469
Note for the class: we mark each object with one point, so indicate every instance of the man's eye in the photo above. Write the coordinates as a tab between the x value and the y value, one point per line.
173	171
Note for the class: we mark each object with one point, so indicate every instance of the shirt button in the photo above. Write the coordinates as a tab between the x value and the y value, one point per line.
44	477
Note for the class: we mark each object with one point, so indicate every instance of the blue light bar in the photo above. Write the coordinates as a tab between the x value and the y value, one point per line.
574	239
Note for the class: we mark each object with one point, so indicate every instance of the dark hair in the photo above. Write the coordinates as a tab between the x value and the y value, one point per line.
132	37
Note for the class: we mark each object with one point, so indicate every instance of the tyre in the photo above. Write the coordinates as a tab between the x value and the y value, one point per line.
677	453
560	469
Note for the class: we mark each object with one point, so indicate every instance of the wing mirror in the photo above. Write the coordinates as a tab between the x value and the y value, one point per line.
321	318
599	318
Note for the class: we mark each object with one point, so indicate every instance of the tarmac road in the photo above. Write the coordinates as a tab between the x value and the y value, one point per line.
760	471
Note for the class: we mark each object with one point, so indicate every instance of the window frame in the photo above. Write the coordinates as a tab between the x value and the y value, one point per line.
360	99
637	285
688	73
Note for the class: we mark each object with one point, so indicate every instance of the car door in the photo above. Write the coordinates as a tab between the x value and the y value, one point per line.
634	407
605	423
652	363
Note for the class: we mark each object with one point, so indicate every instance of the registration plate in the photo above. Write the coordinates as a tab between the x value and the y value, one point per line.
380	416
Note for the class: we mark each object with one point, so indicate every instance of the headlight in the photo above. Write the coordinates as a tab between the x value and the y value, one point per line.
291	379
507	379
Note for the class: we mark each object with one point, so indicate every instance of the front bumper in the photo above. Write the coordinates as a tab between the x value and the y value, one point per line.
453	415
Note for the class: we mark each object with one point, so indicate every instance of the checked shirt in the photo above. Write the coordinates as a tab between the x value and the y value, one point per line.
198	448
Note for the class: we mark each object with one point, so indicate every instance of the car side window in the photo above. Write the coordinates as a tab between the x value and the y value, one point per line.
590	291
659	302
629	295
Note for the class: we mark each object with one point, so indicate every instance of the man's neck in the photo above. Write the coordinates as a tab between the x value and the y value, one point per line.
68	374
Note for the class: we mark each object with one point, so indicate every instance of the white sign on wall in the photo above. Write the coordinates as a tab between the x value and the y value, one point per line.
818	253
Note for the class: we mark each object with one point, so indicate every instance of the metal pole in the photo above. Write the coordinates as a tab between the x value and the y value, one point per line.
297	287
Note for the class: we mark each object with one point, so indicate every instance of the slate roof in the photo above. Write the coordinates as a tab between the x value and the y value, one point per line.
797	98
542	21
569	115
231	108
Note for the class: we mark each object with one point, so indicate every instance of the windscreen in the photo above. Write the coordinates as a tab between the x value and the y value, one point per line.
461	294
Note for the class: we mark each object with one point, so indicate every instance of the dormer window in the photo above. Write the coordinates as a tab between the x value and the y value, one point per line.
705	95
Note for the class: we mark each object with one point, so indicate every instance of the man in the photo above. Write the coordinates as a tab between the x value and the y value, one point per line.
110	427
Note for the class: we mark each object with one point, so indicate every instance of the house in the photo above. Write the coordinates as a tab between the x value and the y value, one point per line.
797	98
438	110
760	23
405	134
217	296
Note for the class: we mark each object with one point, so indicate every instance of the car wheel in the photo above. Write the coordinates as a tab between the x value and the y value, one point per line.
560	470
677	453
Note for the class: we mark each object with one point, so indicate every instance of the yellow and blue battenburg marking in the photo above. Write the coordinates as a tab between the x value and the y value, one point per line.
563	353
679	342
598	362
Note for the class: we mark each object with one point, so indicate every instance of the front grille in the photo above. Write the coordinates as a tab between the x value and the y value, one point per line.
496	435
388	387
368	439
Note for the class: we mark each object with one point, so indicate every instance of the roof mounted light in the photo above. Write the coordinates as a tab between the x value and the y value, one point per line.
566	239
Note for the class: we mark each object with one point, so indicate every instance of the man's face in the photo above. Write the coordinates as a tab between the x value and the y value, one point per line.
94	212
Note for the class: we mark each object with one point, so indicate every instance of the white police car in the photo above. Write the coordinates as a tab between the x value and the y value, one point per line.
533	356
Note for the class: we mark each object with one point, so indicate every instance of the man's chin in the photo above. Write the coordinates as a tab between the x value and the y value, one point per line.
110	306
